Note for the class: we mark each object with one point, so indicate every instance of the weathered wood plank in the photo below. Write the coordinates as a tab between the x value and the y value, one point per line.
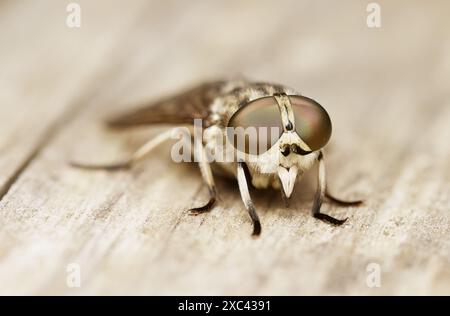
386	90
49	69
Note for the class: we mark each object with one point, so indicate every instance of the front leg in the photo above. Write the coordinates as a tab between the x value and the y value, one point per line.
207	176
245	195
320	194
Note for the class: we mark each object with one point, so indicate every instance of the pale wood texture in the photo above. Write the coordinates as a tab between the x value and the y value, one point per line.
386	90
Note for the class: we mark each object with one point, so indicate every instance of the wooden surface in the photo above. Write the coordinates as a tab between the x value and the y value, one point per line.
386	90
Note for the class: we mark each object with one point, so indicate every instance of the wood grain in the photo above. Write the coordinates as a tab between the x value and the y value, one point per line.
386	90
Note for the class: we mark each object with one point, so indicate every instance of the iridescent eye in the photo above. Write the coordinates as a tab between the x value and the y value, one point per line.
256	126
312	122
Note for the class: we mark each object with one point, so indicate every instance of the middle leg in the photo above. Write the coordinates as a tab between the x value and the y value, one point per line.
320	194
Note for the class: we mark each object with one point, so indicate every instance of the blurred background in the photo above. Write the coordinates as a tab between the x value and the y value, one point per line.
380	68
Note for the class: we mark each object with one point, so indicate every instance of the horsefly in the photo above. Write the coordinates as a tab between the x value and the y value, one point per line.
260	133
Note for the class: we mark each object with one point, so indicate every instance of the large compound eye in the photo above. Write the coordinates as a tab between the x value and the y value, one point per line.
256	126
312	122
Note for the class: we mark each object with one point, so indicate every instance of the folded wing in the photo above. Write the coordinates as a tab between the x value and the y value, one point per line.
181	108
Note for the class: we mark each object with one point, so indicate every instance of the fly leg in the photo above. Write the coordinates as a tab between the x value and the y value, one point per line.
342	202
245	195
138	155
207	176
320	194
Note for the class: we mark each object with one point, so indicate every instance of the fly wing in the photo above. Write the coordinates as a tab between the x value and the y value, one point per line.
182	108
